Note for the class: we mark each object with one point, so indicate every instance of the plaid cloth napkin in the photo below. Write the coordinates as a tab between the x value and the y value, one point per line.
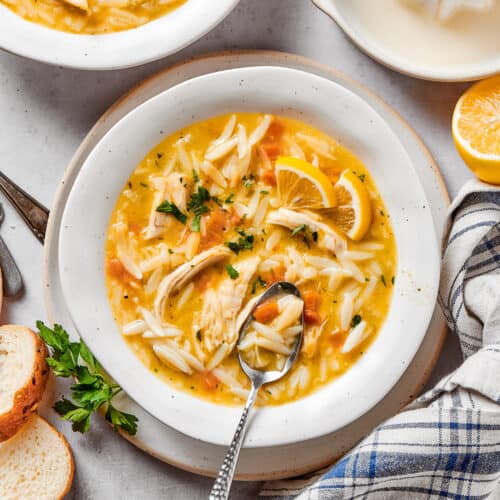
446	444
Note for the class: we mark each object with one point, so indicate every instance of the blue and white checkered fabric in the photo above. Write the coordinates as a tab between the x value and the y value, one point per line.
446	444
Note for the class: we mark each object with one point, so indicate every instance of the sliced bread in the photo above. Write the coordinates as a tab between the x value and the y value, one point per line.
23	376
36	463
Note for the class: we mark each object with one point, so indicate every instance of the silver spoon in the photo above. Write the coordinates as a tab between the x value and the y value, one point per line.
222	485
12	280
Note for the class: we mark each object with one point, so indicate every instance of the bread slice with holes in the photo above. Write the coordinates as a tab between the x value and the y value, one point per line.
23	376
36	463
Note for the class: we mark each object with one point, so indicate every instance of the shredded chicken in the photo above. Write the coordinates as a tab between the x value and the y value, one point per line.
187	271
328	238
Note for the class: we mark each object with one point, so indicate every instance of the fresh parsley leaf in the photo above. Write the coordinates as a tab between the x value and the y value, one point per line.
91	389
57	338
171	208
121	420
195	223
298	229
197	206
356	320
233	273
245	242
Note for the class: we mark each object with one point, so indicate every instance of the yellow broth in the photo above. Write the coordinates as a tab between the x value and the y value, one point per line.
321	361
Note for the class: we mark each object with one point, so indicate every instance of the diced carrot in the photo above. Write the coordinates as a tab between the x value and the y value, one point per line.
209	380
275	274
269	177
216	222
135	227
235	218
266	311
272	149
275	131
312	302
202	280
337	340
115	268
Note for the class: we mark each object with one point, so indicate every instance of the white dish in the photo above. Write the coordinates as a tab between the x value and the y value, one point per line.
154	40
416	45
164	442
351	121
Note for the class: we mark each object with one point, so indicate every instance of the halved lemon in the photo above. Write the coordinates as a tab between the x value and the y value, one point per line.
302	185
353	213
476	129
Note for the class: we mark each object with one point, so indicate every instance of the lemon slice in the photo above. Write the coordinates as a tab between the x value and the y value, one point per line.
476	129
302	185
353	213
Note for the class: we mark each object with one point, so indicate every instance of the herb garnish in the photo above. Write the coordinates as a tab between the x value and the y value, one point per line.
198	335
196	177
171	208
233	273
393	279
197	206
382	278
356	320
249	181
298	229
245	242
92	389
229	199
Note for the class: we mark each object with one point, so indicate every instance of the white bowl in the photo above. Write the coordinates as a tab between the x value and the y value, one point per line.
284	91
154	40
434	62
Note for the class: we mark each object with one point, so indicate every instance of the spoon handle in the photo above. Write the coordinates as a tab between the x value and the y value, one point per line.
222	485
12	280
34	213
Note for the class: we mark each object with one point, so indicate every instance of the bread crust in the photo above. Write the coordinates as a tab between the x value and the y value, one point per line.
27	398
71	475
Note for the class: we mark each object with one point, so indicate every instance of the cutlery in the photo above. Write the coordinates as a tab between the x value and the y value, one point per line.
12	280
222	485
35	215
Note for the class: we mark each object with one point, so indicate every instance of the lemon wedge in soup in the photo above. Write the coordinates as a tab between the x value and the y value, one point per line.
353	213
302	185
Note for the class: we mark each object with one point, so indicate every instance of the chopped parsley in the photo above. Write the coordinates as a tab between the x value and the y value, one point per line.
356	320
314	235
382	279
361	177
264	191
171	208
233	273
198	335
143	184
196	177
245	242
159	155
393	279
197	206
229	199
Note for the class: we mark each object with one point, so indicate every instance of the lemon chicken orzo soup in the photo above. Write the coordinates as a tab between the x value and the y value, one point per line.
214	215
91	16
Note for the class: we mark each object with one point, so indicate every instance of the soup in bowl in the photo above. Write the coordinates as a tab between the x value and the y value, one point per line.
199	199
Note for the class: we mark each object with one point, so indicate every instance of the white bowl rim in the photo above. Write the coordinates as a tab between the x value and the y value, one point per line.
178	409
385	57
152	41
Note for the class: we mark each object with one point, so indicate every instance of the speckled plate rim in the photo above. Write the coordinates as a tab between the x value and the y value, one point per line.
256	463
391	61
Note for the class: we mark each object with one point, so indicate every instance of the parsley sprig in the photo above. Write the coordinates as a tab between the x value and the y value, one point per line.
91	390
245	242
197	206
171	208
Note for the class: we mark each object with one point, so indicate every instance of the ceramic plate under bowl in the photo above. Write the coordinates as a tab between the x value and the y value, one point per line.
154	40
414	44
299	95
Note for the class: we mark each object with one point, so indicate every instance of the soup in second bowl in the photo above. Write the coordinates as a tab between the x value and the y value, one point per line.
92	17
216	213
